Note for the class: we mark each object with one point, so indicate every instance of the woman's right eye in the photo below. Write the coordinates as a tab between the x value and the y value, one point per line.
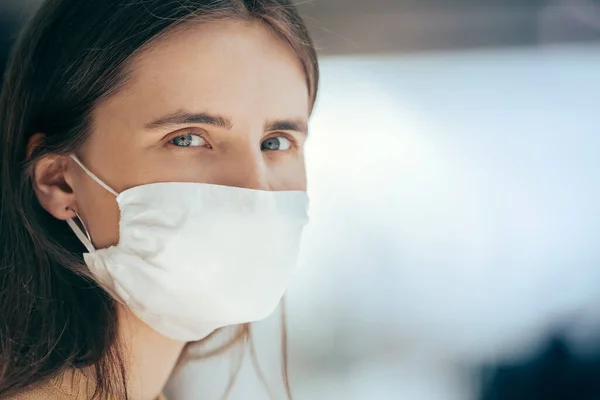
189	140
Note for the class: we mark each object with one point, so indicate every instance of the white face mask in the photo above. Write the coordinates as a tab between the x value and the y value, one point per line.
196	257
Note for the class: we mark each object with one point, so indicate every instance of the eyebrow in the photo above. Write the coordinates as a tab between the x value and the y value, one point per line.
297	125
186	118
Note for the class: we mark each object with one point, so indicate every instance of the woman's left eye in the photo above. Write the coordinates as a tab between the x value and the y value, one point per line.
188	140
277	143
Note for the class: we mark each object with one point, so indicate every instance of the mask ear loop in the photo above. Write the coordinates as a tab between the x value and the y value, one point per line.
93	176
84	237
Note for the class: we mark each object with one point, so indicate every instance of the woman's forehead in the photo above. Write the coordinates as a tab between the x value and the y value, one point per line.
224	67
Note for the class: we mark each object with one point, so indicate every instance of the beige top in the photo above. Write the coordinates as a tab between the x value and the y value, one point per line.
71	385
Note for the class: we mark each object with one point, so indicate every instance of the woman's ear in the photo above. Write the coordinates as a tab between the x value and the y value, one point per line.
50	179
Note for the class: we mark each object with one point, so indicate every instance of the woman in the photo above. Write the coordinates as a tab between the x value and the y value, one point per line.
152	186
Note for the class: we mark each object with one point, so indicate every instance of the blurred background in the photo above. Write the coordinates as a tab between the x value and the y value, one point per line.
454	249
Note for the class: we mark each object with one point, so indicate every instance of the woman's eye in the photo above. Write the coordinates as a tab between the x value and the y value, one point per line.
278	143
188	140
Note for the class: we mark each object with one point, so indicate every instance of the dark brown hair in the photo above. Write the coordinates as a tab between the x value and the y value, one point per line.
73	55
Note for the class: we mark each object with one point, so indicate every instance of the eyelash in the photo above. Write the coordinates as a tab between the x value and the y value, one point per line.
187	148
291	138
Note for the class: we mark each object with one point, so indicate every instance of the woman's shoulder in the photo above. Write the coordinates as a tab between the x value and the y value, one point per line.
47	391
42	391
51	391
70	384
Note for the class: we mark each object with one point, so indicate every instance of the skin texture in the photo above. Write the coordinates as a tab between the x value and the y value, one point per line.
236	70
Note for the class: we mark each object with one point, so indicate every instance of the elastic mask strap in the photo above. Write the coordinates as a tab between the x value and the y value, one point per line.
94	177
83	237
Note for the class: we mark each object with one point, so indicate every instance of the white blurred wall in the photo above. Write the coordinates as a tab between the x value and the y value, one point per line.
455	220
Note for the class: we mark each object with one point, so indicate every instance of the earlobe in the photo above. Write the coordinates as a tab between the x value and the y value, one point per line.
50	182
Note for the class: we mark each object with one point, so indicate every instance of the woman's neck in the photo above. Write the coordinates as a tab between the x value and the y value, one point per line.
150	356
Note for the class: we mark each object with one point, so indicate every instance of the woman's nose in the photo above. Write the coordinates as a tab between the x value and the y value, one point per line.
245	170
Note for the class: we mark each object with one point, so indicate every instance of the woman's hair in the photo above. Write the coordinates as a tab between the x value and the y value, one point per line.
72	56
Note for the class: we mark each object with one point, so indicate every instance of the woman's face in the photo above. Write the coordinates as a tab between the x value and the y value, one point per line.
223	102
